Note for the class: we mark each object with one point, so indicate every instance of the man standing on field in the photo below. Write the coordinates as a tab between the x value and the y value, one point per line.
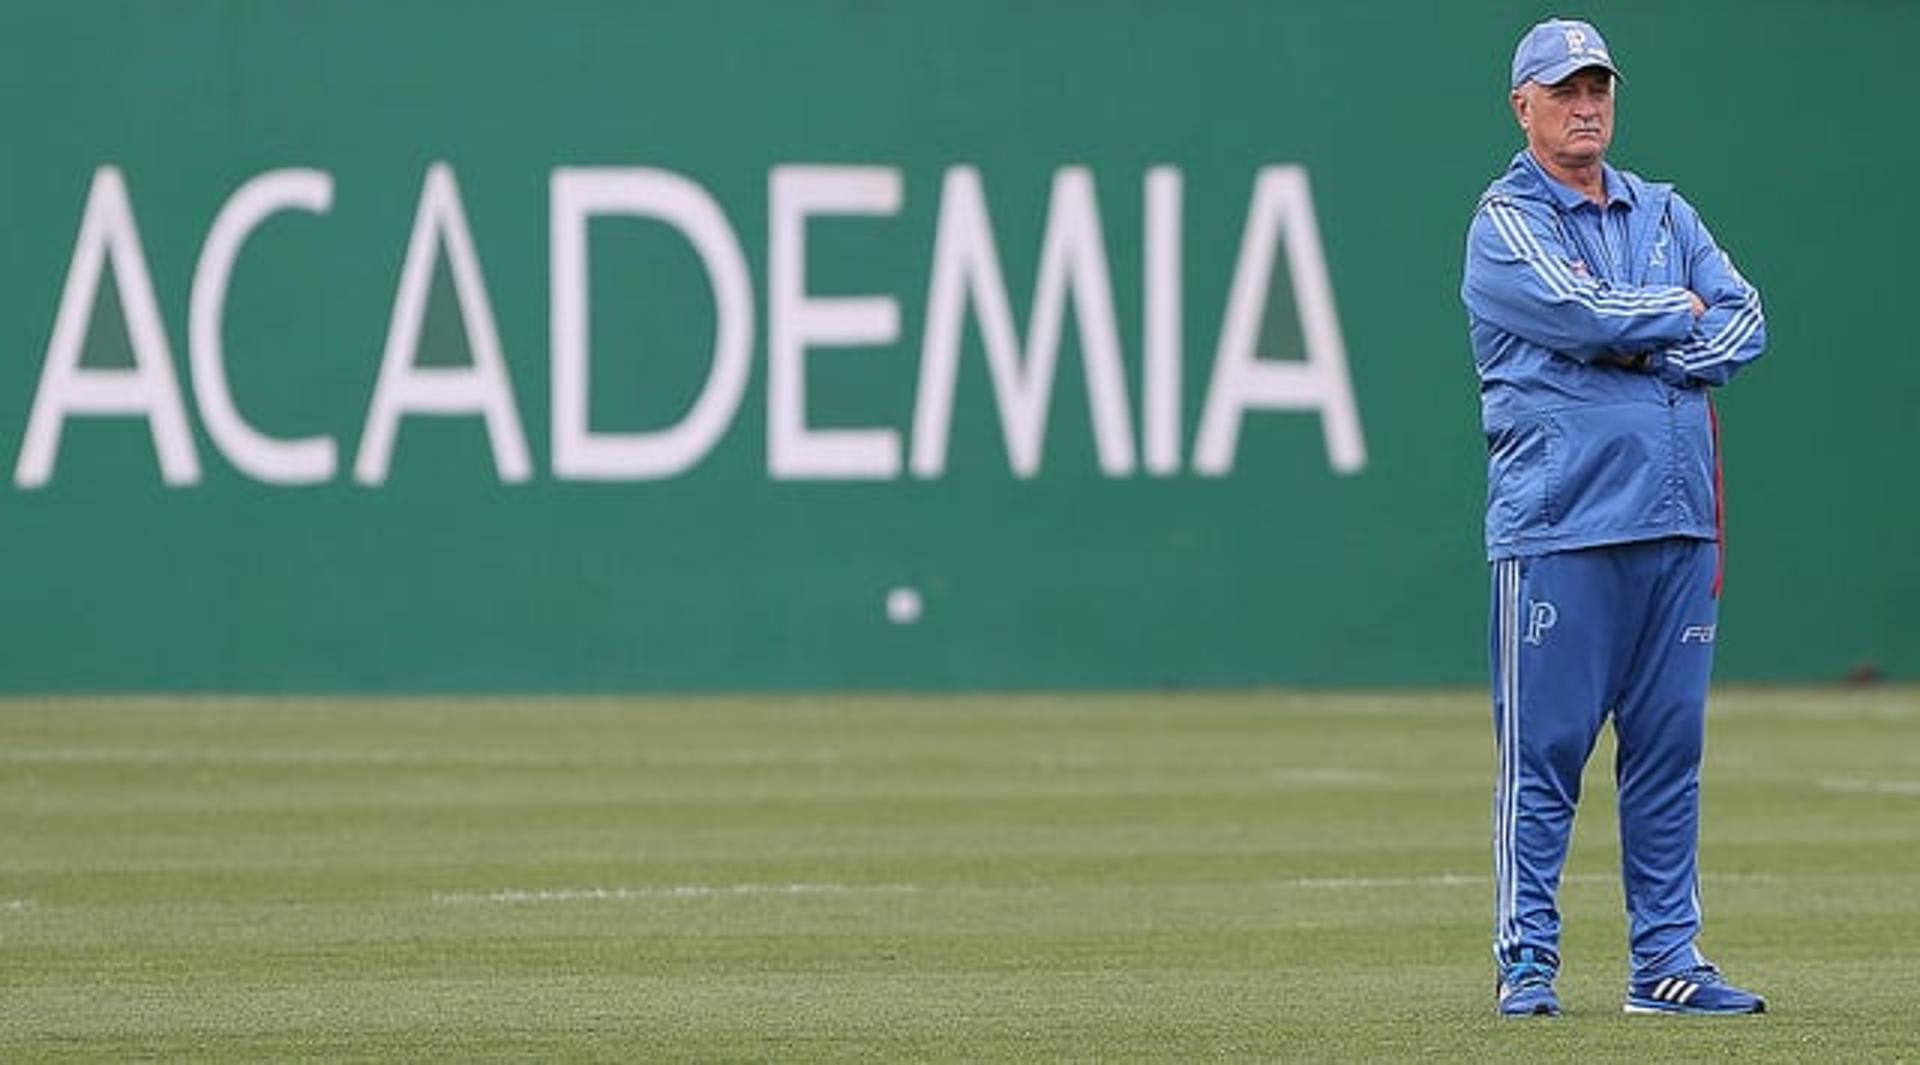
1601	315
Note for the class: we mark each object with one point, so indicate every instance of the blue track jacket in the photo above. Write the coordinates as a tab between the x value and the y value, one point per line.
1593	369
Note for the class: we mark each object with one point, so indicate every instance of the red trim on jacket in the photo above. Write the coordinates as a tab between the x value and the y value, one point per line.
1719	500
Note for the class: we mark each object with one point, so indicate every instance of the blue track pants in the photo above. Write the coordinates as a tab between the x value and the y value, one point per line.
1624	631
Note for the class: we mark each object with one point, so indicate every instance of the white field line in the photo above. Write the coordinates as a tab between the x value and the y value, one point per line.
806	758
16	905
1874	787
524	897
1447	880
519	897
1328	775
1347	882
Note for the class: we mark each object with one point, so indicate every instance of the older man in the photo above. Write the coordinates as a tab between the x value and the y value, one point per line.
1601	314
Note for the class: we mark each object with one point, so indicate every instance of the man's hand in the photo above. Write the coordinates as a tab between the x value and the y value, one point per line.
1699	305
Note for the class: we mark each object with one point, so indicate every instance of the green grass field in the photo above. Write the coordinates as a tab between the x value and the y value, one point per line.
1170	876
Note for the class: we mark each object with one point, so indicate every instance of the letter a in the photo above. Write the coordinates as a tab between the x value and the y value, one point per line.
482	388
108	237
1282	208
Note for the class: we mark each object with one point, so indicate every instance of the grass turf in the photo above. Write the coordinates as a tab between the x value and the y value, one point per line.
1169	876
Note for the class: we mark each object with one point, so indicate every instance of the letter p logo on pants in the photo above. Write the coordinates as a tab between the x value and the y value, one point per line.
1541	616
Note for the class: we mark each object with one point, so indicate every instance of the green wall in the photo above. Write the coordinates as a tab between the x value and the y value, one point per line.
753	565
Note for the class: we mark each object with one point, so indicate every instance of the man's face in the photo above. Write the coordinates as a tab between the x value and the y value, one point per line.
1570	123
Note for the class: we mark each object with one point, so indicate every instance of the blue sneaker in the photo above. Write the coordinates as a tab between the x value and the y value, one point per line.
1526	990
1700	989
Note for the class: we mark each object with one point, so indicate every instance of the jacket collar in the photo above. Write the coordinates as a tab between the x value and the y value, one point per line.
1619	190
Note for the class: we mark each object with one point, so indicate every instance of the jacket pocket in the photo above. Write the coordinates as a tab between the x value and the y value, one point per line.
1520	479
1692	483
1613	468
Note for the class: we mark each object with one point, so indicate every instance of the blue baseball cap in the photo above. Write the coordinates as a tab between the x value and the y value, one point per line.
1553	50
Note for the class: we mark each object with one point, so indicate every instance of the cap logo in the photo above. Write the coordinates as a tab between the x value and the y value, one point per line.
1576	41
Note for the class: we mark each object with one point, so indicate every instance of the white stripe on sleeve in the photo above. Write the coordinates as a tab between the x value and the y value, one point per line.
1520	240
